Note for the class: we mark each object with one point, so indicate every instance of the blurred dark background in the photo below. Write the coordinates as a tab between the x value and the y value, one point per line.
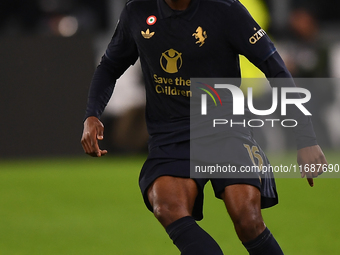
50	48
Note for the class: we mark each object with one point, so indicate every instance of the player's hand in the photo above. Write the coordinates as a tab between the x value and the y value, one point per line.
93	131
309	156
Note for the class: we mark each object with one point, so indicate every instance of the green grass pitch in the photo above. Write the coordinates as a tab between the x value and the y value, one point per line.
94	206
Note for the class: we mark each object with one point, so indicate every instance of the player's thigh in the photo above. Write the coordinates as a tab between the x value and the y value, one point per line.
172	197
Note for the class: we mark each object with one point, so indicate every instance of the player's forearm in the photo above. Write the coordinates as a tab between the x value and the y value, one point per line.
100	92
119	55
278	75
274	67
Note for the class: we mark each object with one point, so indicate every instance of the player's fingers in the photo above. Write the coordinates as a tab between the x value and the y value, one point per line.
303	173
86	147
86	143
91	145
100	134
316	173
96	149
309	177
83	143
101	153
100	131
310	182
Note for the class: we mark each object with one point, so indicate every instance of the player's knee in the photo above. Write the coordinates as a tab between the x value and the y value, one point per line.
248	226
164	211
168	213
161	212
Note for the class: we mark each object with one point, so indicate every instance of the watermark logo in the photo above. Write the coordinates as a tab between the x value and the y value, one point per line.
239	100
204	97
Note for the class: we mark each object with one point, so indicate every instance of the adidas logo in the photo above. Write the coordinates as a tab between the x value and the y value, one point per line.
147	34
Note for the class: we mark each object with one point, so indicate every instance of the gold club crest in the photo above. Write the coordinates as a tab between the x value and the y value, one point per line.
200	35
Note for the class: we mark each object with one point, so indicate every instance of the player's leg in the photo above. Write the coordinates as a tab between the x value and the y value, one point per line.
172	200
243	203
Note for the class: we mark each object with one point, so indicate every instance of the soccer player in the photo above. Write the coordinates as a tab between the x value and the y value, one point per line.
177	40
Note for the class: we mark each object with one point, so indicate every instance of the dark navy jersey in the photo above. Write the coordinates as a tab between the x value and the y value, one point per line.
205	40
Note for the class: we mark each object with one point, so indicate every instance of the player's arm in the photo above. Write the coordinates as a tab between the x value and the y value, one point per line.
262	53
120	54
308	151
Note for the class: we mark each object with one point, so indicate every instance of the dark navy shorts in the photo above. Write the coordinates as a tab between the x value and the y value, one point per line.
174	160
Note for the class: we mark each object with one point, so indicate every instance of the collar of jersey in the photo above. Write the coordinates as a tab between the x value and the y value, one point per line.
166	12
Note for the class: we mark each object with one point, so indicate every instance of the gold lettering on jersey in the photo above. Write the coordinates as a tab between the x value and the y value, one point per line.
172	87
178	81
163	80
171	61
172	91
257	36
147	34
200	35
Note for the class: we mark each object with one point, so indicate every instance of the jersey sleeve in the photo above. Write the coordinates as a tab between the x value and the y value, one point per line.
119	55
250	40
246	36
278	75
